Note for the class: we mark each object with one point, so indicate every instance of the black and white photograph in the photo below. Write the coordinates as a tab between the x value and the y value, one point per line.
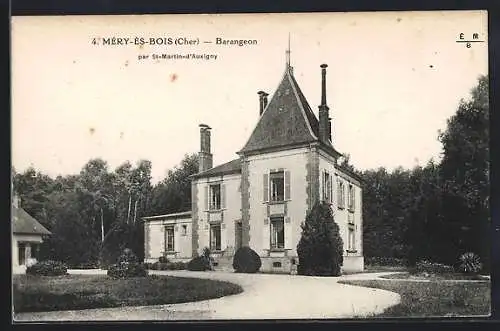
250	166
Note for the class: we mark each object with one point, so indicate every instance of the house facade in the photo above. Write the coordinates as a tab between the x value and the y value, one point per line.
261	198
27	235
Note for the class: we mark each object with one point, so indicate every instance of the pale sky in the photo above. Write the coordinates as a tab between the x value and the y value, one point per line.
393	80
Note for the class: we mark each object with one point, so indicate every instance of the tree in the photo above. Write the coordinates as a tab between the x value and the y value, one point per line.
173	194
465	174
320	248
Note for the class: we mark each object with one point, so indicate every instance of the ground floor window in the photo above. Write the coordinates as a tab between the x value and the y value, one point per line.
277	233
351	240
169	238
215	237
21	253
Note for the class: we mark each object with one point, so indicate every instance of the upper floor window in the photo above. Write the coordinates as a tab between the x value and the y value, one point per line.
215	197
351	197
277	180
341	194
327	187
277	186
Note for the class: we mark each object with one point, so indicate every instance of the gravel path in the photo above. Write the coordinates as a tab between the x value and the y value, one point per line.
265	296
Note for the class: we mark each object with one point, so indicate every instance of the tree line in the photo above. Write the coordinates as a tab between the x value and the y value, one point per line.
434	212
441	210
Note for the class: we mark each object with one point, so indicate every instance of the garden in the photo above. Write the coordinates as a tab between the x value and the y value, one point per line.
48	287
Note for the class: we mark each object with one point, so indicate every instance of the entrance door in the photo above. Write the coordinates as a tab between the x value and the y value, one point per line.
238	233
21	253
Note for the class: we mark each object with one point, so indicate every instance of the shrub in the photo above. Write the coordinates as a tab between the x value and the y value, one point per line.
386	261
166	266
163	259
47	268
246	260
198	263
432	267
127	266
127	270
320	248
469	263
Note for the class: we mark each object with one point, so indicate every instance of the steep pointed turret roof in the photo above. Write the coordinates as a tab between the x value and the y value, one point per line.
287	120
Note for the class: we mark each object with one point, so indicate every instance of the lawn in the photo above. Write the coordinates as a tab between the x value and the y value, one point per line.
434	276
434	298
72	292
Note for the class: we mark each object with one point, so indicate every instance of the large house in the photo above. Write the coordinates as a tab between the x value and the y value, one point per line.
261	198
27	235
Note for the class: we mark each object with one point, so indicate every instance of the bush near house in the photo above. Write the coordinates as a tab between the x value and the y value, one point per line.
320	247
198	263
47	268
166	266
127	266
246	260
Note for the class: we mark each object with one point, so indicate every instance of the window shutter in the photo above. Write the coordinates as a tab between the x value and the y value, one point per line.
206	197
266	187
288	233
223	196
287	185
266	234
330	183
321	186
354	198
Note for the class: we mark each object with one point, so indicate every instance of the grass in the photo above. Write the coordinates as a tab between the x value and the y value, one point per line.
434	298
74	292
382	268
434	276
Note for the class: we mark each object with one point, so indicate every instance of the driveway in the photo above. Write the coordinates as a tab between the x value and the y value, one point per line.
265	296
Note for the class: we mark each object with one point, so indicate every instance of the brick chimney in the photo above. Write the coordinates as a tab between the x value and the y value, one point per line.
324	116
262	101
205	157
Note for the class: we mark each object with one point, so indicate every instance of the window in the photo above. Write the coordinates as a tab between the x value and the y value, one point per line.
184	229
341	194
351	240
327	187
277	233
351	197
215	236
169	238
215	197
277	180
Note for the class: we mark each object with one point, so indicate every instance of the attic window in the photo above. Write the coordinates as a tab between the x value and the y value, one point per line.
287	91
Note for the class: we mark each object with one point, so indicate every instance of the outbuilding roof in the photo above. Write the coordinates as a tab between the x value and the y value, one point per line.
24	223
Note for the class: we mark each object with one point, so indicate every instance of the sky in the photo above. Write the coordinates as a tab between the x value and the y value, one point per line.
393	79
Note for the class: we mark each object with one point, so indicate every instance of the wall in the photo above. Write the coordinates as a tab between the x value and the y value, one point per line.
227	216
27	238
295	161
155	235
352	261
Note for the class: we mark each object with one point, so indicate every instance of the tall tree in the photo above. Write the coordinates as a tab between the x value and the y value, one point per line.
173	194
465	174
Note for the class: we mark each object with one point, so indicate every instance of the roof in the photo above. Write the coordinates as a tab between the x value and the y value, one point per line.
231	167
24	223
184	214
287	120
